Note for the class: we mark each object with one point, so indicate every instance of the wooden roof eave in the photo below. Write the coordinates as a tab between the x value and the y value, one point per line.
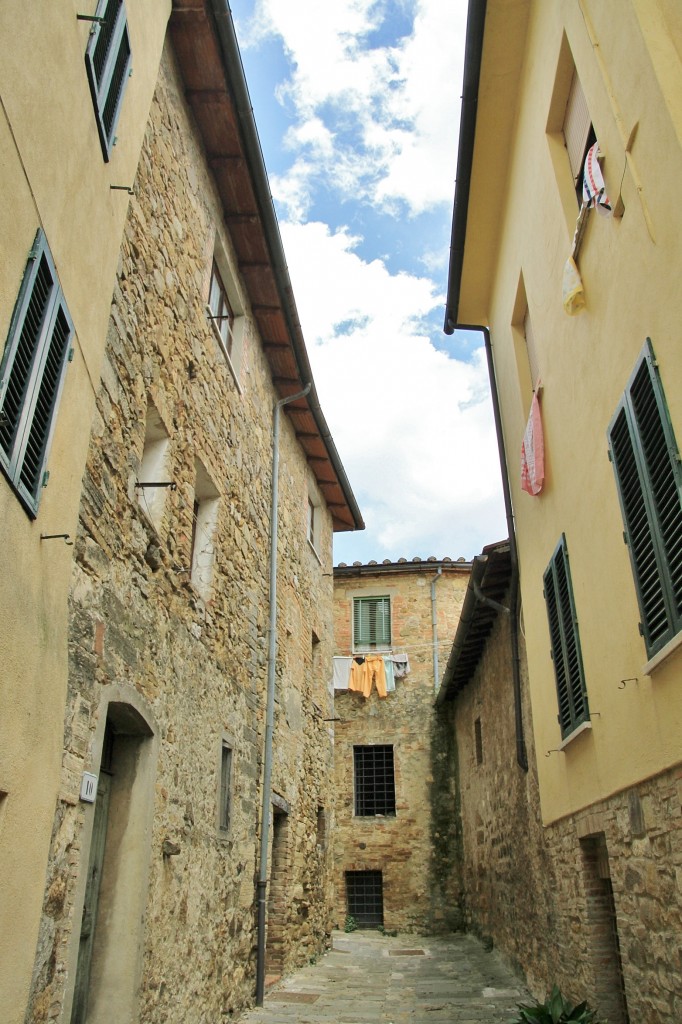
210	64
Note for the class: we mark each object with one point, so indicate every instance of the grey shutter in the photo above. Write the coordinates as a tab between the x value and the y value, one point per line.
107	60
565	641
32	374
646	463
577	124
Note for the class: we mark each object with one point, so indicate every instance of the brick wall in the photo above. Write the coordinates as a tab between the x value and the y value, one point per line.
400	846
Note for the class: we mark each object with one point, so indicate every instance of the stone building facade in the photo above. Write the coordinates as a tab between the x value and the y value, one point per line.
544	895
393	778
150	901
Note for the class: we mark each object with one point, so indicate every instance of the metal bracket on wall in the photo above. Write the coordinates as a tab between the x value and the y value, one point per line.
57	536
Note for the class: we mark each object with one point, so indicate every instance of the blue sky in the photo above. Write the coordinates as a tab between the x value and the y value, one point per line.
357	108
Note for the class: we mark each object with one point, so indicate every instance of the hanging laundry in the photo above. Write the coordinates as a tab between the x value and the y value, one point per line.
365	672
594	189
401	665
573	293
341	672
533	451
389	669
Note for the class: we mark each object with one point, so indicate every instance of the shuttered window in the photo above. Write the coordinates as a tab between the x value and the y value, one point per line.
107	60
645	459
371	622
578	132
565	641
32	374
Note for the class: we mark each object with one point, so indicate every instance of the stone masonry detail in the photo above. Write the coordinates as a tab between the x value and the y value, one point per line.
140	627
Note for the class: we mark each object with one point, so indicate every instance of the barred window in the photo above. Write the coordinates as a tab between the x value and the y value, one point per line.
32	374
374	781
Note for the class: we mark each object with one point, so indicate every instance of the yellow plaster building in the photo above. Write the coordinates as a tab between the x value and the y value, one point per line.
64	99
579	300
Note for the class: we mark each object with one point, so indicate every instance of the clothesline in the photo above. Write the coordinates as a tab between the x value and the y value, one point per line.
361	672
348	653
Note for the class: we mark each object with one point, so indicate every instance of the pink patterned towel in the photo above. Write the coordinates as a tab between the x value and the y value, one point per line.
594	189
533	451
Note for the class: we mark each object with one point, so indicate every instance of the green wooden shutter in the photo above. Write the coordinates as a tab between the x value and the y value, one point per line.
107	60
32	374
371	622
565	641
645	459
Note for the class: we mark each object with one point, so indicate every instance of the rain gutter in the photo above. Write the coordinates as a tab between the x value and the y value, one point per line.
465	157
270	701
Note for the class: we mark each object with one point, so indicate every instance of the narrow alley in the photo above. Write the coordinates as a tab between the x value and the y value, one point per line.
369	978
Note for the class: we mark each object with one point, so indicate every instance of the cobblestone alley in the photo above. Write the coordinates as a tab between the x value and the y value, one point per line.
368	978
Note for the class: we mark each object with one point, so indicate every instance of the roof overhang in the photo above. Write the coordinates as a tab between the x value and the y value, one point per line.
215	88
493	62
488	584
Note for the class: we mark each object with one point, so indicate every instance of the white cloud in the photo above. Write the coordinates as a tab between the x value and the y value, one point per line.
413	426
388	113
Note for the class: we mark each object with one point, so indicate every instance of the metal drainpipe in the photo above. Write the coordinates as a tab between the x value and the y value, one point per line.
270	706
521	754
434	627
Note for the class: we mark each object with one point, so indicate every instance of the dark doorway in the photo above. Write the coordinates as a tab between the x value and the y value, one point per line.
365	898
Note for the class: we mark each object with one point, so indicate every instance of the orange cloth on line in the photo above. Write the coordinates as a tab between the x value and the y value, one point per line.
371	671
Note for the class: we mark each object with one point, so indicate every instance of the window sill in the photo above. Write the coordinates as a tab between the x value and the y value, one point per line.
665	652
223	348
314	550
579	729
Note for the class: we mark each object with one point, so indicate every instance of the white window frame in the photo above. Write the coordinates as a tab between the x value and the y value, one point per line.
154	468
225	313
204	521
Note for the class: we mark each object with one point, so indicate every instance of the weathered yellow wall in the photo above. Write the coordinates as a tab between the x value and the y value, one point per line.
630	271
53	175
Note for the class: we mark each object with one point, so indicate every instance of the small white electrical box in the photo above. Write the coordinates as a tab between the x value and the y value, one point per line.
88	788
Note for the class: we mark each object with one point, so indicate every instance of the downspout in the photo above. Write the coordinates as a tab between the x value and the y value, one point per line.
270	705
521	754
434	627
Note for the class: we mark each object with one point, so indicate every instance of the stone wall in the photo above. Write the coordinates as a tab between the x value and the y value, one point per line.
545	896
507	872
176	671
414	890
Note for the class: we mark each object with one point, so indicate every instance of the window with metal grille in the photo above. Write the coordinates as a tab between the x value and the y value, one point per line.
365	898
374	781
32	374
221	310
107	60
645	457
565	641
371	623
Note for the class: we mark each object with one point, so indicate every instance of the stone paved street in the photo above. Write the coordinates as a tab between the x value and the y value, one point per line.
368	978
